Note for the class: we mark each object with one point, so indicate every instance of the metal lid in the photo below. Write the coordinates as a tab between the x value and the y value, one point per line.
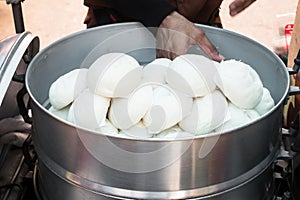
12	50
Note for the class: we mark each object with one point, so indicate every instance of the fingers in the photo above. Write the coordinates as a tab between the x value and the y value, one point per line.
171	44
176	35
170	37
206	45
239	5
166	54
14	124
13	138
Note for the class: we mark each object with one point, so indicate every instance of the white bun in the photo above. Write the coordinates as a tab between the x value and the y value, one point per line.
174	132
61	113
162	61
107	129
168	108
208	113
138	130
155	72
125	112
237	118
89	110
114	75
67	87
266	103
192	74
239	83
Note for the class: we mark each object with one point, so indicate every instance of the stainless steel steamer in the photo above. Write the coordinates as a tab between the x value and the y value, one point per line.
75	163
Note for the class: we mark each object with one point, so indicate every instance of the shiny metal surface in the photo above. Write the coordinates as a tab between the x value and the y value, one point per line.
178	168
12	50
51	186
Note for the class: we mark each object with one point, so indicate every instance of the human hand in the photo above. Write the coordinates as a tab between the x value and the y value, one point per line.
14	131
239	5
13	1
176	35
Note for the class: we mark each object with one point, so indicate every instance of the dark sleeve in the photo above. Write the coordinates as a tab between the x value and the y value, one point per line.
149	12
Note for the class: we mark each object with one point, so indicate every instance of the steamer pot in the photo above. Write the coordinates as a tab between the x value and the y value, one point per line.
76	163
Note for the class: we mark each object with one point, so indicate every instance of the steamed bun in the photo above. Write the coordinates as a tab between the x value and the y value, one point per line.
192	74
162	61
61	113
67	87
138	130
168	109
174	132
188	96
237	117
208	113
239	83
266	103
107	128
125	112
155	72
107	75
89	110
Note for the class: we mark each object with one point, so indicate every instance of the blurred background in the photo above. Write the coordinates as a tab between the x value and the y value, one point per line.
52	20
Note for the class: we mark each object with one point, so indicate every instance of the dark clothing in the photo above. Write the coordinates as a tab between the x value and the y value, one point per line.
150	12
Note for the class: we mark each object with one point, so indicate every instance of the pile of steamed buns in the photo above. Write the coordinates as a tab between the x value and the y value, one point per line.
183	98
